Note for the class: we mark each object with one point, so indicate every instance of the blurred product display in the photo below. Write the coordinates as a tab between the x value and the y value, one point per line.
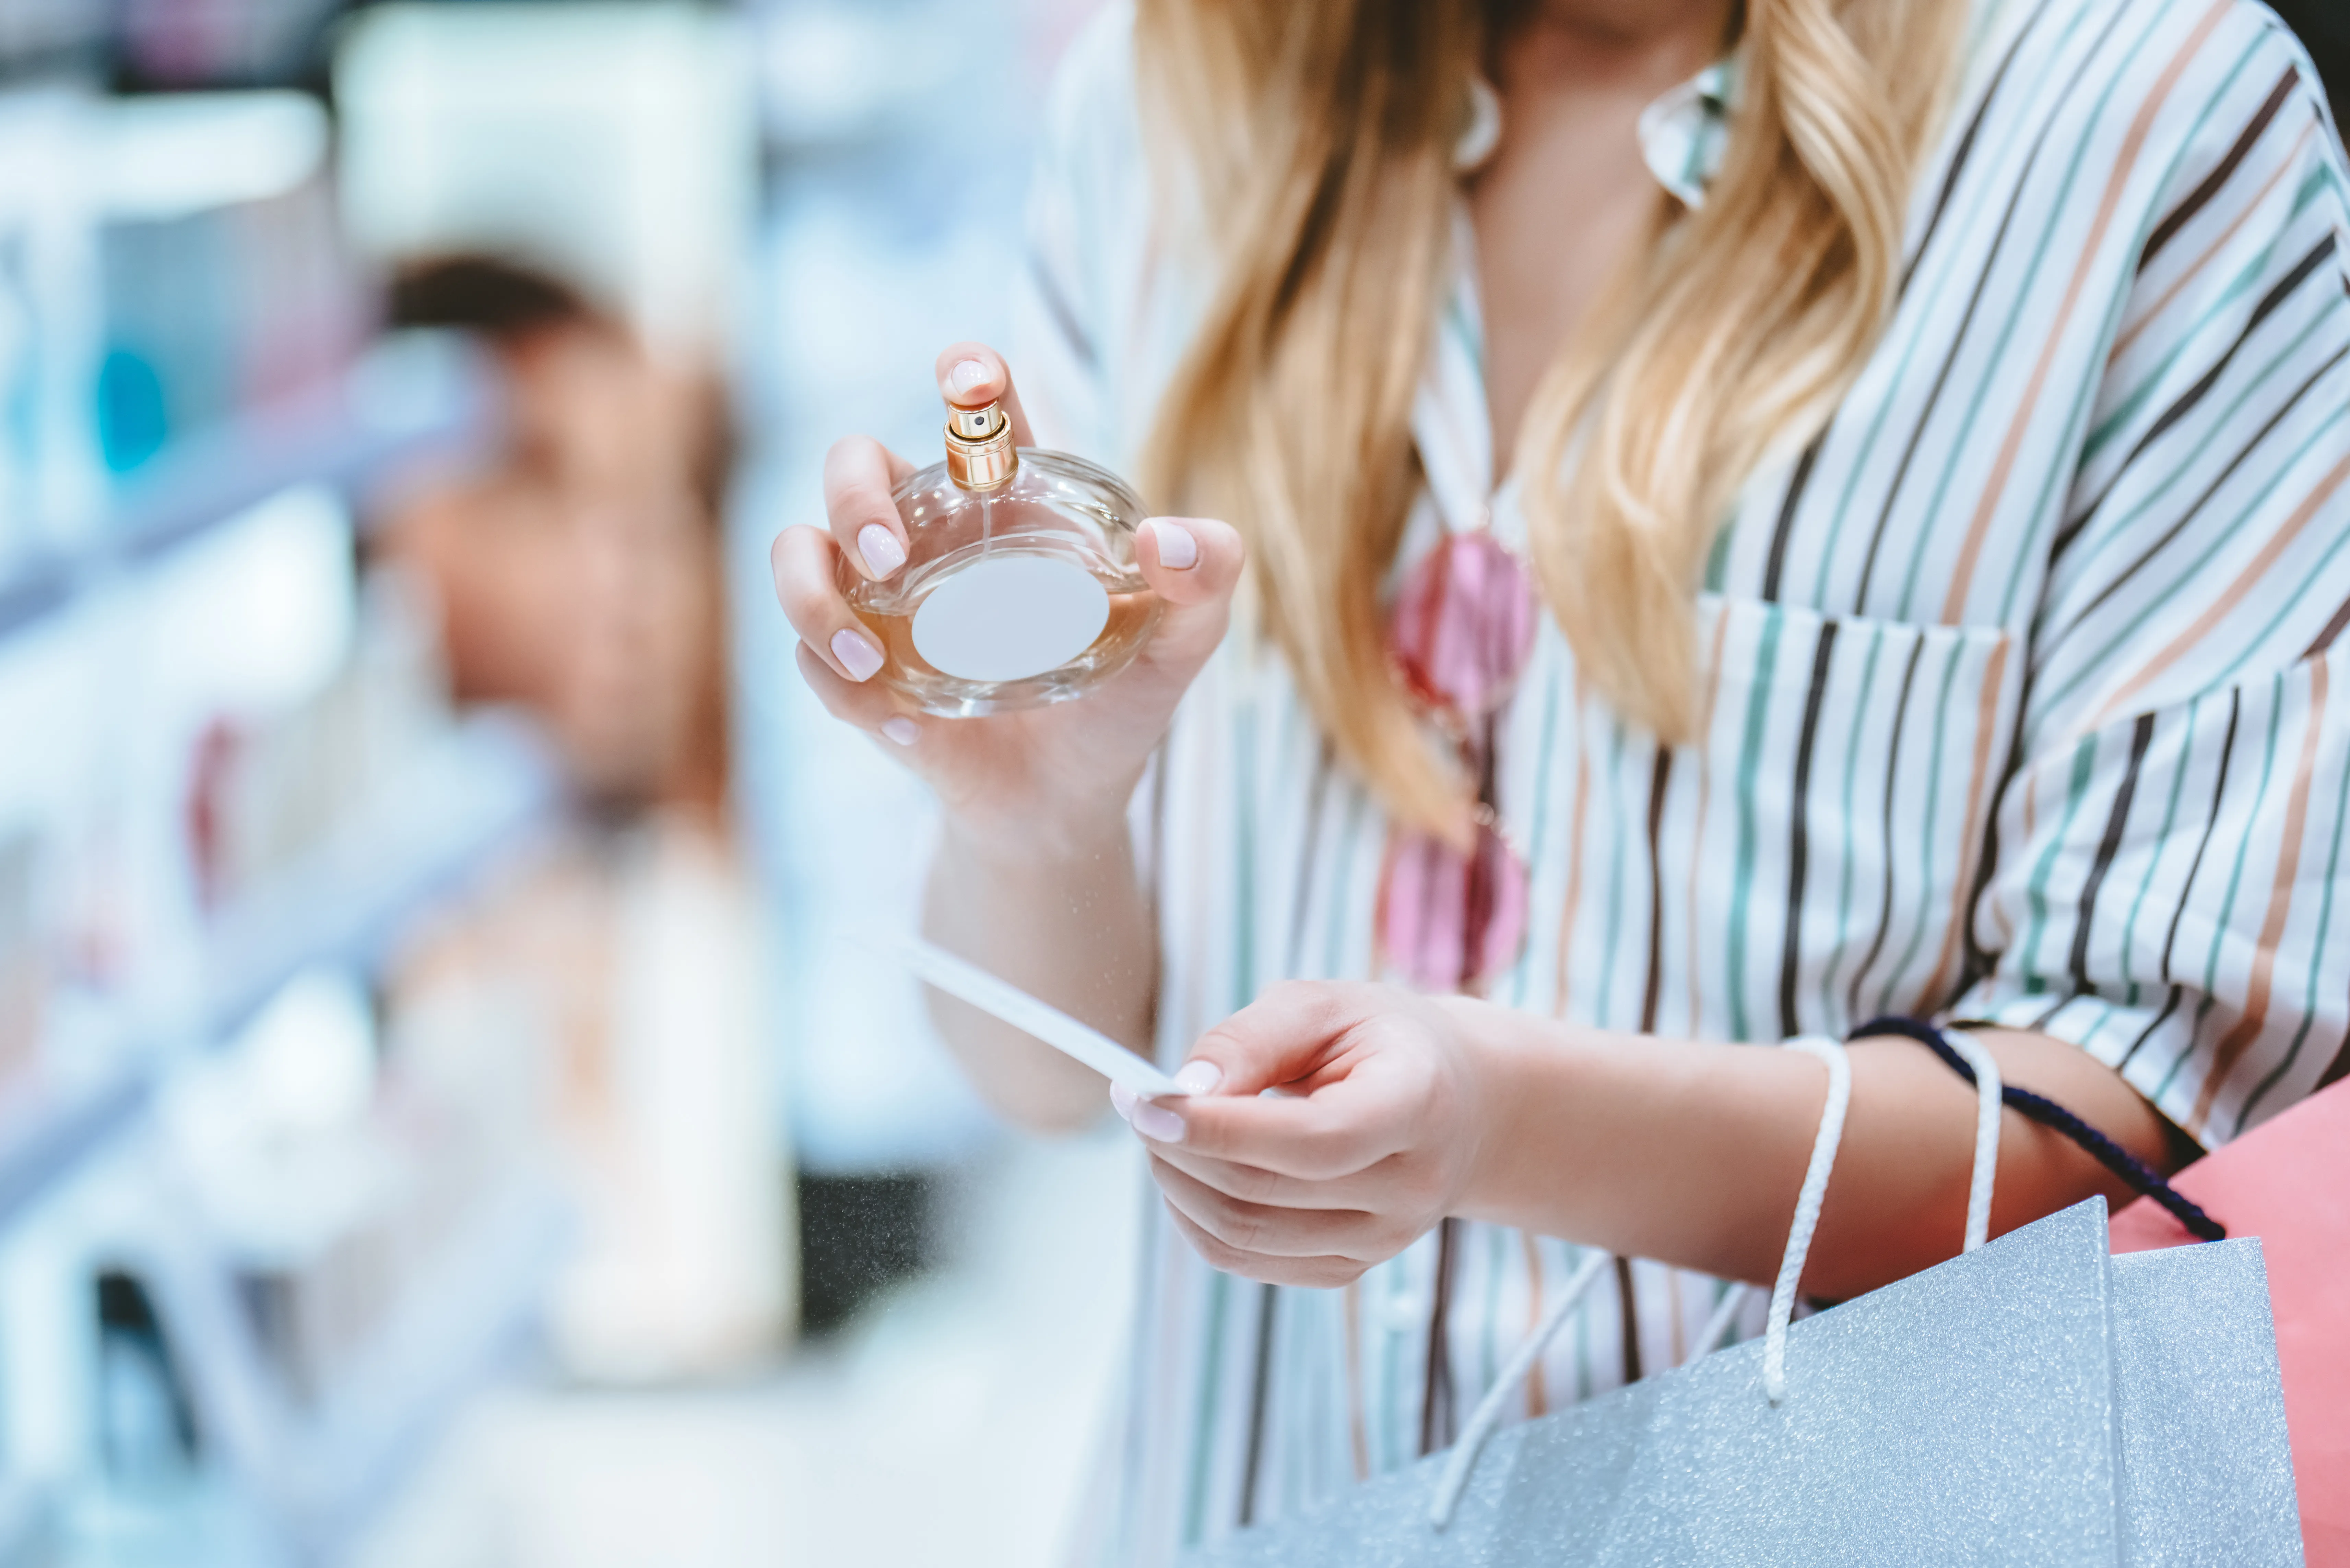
214	1169
264	795
23	981
233	304
253	1247
181	253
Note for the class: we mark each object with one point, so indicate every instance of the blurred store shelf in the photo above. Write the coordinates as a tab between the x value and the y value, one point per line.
411	398
987	1390
455	1328
49	1119
435	822
424	830
292	1478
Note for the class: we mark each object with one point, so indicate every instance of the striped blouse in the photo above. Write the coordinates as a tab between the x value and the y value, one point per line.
2022	686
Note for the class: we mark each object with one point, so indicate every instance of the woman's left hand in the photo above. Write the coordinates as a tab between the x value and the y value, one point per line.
1373	1134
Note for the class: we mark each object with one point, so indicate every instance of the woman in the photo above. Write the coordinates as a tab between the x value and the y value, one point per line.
1930	430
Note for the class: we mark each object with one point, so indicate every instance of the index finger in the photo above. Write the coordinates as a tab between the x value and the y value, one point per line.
860	476
971	374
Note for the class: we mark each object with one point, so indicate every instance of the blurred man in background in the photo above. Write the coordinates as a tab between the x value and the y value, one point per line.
575	573
578	572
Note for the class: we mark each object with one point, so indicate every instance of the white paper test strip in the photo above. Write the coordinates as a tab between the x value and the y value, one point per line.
1000	999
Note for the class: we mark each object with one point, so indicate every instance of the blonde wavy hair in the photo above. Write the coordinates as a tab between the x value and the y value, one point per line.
1325	132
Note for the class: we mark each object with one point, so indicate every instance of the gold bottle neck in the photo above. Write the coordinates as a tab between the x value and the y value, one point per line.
980	455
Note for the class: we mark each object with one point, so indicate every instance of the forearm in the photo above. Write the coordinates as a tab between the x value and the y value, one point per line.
1692	1153
1066	923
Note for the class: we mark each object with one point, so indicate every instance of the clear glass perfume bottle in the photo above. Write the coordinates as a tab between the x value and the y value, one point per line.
1020	585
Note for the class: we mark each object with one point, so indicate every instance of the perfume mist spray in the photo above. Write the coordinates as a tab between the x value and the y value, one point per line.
1020	585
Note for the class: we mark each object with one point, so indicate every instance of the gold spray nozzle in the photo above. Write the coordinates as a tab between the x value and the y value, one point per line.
980	455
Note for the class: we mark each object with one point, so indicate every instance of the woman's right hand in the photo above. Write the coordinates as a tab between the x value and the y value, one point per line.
1052	779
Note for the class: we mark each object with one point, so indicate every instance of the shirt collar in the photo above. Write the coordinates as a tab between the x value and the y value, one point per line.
1683	132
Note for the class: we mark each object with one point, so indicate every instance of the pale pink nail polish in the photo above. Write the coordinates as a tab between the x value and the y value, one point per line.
1177	550
1199	1077
883	554
858	656
902	729
1157	1124
967	375
1121	1100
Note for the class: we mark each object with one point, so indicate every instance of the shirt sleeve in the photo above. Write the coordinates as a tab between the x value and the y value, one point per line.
2166	880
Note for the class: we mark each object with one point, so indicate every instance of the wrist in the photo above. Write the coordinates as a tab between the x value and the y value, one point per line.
1524	1069
1049	845
1497	1074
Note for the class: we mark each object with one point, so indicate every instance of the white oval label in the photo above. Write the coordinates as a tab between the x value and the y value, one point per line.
1007	617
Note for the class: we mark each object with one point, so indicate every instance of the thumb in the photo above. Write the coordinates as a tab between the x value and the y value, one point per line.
1289	1034
1194	562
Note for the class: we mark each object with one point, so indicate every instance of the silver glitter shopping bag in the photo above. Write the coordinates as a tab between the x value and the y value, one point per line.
2206	1466
1961	1415
2032	1402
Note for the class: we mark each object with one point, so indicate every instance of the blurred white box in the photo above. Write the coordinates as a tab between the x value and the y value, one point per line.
614	144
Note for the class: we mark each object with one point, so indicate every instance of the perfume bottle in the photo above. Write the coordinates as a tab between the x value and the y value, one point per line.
1020	585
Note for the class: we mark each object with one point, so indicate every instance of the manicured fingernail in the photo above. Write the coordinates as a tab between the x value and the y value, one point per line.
1177	550
902	729
1121	1100
967	375
883	554
1199	1077
1157	1124
857	655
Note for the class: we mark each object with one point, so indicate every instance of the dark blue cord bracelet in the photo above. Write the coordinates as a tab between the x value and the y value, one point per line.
2142	1177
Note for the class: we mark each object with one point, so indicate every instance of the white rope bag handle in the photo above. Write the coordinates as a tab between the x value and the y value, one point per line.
1988	1089
1482	1421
